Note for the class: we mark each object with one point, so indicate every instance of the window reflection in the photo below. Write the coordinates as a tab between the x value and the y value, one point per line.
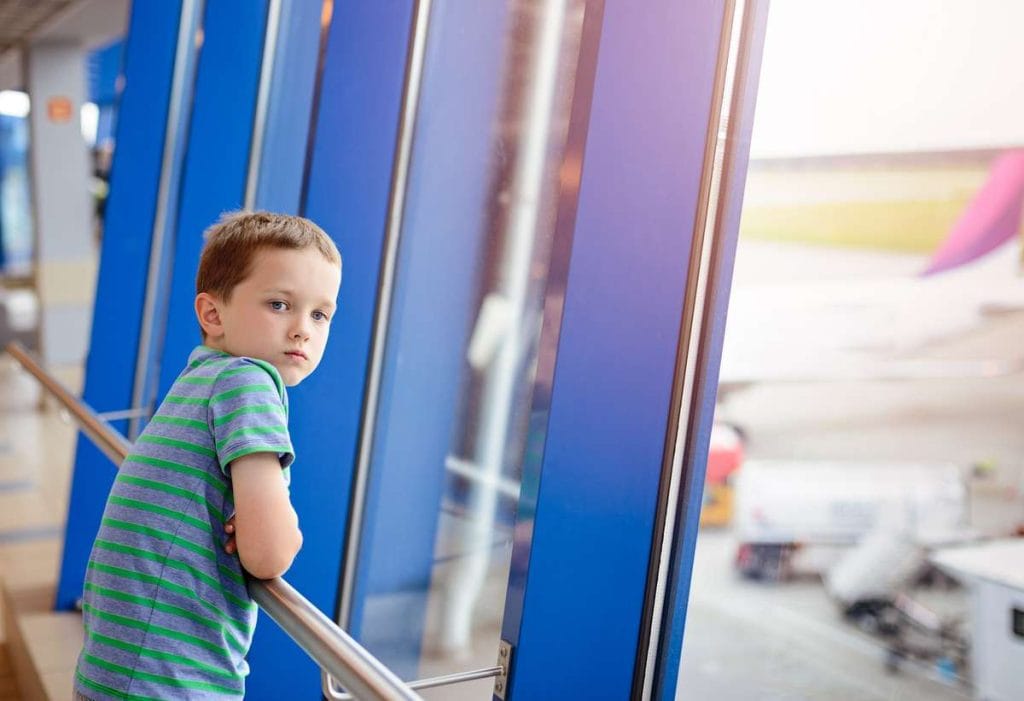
459	370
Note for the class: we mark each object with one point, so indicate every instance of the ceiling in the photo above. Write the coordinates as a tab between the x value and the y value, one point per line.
91	23
20	19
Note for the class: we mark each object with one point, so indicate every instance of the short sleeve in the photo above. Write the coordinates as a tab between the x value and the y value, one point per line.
249	413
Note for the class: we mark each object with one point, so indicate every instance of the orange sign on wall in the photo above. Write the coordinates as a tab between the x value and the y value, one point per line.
58	109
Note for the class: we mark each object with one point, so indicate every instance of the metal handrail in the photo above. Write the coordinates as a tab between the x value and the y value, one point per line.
429	683
110	442
362	674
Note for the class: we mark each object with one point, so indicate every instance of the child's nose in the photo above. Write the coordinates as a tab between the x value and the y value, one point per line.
300	329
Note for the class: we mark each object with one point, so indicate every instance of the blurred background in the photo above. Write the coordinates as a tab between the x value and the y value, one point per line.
864	493
52	195
871	394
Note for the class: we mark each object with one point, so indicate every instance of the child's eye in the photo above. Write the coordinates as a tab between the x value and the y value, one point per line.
277	305
320	316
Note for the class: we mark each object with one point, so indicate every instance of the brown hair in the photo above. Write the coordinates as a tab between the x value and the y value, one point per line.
233	242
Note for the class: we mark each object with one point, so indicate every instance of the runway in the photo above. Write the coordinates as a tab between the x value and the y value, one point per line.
750	640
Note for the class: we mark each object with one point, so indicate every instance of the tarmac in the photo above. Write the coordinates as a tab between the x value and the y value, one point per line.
857	315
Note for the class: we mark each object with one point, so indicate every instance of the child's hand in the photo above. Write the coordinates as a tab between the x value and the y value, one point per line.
229	547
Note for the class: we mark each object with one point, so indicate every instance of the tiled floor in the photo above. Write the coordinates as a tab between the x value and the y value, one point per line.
36	451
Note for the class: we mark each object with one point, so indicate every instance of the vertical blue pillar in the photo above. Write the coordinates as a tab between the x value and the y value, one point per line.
277	160
431	314
576	594
291	100
347	190
734	177
216	165
104	67
120	290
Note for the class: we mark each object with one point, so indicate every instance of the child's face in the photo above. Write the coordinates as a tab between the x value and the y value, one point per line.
280	313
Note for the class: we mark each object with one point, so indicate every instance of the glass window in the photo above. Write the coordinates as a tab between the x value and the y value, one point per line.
458	374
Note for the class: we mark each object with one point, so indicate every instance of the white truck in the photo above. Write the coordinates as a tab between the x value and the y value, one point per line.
803	515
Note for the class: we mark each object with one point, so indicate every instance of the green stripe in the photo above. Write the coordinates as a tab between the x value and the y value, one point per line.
178	541
243	370
252	431
159	655
274	374
240	628
219	357
197	401
173	564
231	574
148	627
197	380
242	452
180	421
161	535
168	608
181	468
169	681
257	409
111	691
154	509
175	491
239	391
175	443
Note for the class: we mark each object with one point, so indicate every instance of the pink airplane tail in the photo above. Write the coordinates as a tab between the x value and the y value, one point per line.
992	217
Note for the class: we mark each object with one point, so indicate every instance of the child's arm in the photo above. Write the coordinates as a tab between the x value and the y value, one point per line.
266	531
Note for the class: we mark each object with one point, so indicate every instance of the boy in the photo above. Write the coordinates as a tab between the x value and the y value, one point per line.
166	611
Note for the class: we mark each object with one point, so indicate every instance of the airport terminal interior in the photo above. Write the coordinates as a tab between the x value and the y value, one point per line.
678	353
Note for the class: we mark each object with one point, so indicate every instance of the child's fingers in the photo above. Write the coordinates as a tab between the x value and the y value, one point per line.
229	527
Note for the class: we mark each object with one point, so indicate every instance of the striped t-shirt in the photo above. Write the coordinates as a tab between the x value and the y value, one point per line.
167	614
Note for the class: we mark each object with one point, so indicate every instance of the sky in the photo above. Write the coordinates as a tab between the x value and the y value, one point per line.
880	76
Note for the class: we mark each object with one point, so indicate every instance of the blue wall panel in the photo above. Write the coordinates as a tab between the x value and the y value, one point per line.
283	161
103	66
678	586
216	164
349	184
433	310
582	593
120	290
16	237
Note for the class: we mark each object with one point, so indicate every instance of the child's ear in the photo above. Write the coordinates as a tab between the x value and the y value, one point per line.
208	314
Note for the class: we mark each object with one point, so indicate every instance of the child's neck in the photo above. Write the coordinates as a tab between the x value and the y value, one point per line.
213	344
